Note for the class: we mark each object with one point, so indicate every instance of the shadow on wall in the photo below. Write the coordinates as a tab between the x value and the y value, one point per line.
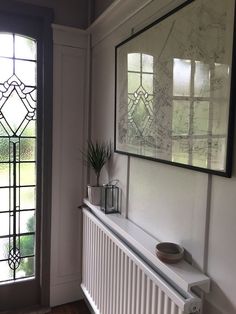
218	294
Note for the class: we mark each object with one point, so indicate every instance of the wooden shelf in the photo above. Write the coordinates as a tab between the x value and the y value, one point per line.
181	275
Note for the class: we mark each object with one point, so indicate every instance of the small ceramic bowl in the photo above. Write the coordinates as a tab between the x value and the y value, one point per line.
169	252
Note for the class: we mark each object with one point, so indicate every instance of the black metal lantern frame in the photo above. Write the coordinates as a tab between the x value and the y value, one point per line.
110	198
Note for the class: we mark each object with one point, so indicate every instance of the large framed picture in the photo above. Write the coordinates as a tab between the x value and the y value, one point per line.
174	90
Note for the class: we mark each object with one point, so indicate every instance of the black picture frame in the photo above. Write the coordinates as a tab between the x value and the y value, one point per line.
207	145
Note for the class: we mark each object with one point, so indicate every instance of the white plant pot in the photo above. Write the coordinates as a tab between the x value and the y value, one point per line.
94	194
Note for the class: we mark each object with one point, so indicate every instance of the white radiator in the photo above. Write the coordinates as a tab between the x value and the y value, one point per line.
117	281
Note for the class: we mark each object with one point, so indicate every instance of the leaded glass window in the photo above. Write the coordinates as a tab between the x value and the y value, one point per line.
18	151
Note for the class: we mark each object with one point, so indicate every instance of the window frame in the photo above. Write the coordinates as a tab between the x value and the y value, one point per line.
11	16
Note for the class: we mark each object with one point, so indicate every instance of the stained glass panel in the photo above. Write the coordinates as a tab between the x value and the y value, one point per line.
4	248
14	111
4	197
6	66
4	174
26	268
30	130
28	67
27	174
5	272
25	48
6	47
4	218
27	245
27	151
27	197
18	143
4	149
27	221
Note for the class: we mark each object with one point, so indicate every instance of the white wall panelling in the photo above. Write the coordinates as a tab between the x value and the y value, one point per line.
70	69
176	207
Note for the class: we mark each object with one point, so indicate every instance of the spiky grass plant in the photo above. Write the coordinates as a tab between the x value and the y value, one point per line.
97	155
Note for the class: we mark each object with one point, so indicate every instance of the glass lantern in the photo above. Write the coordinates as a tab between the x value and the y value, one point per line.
110	199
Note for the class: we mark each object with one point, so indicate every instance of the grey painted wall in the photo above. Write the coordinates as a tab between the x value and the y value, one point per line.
67	12
98	7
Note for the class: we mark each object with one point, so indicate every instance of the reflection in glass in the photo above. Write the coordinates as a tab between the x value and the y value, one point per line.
140	99
200	153
147	83
180	151
220	81
180	118
179	67
134	81
202	79
201	117
134	61
220	117
181	77
218	153
204	114
147	63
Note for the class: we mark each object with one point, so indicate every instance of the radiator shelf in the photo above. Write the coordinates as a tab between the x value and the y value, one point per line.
116	280
182	274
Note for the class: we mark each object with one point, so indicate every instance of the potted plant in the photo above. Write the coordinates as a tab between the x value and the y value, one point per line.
96	156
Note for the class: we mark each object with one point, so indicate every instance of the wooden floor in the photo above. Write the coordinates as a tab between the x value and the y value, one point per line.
79	307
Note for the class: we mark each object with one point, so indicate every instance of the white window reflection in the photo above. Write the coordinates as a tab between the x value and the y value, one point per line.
181	77
140	100
199	113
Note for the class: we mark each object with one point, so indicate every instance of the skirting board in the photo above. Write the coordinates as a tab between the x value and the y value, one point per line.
65	293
